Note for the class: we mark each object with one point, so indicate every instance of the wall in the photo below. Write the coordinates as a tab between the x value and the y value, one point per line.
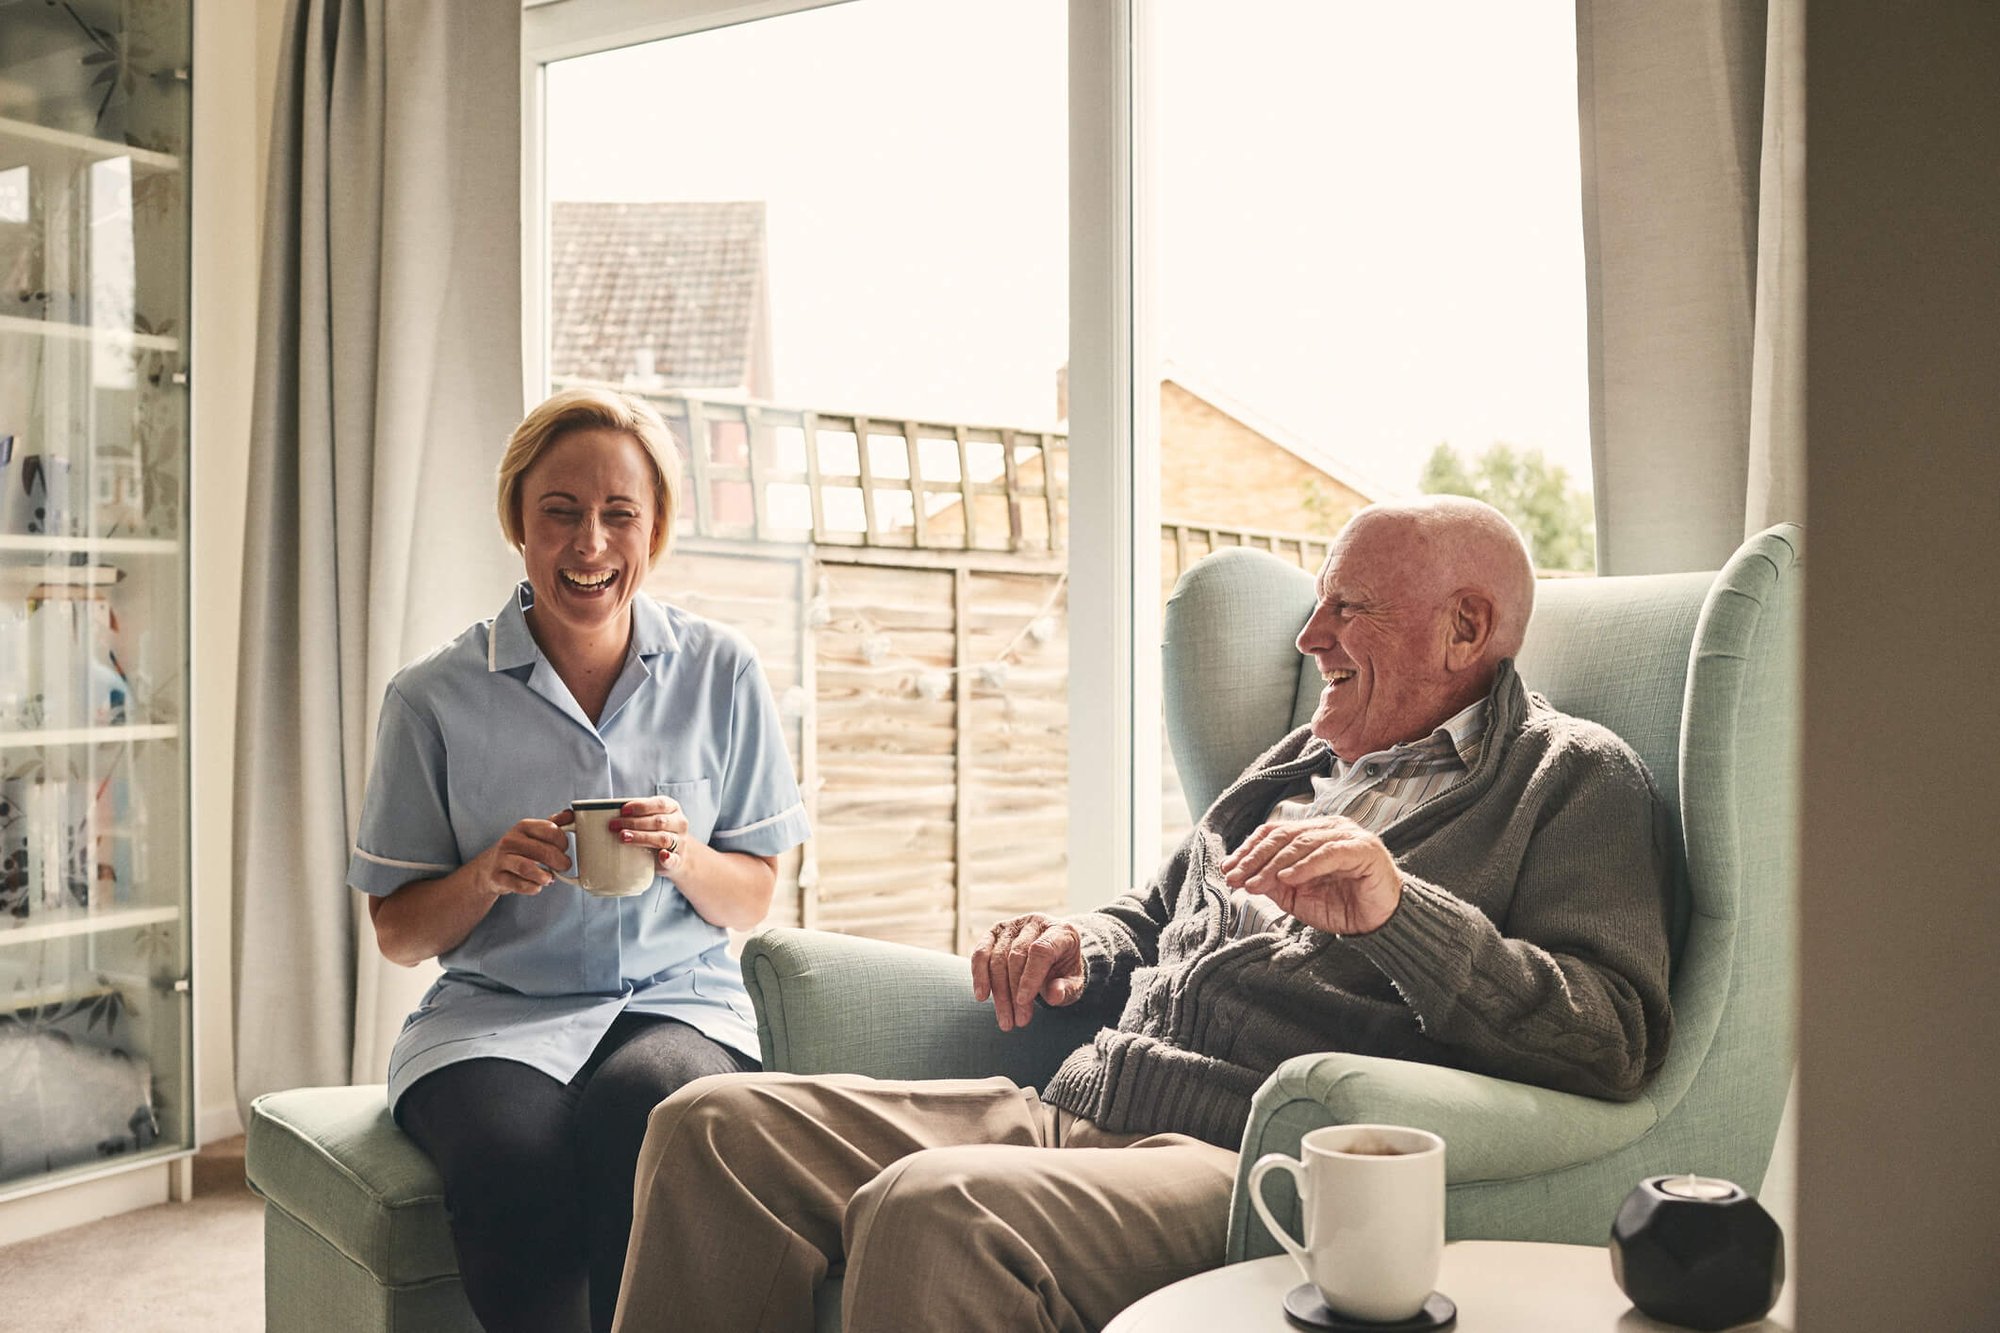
1215	469
1899	1176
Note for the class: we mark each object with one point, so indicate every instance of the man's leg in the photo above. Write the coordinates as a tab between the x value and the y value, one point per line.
744	1179
644	1058
1032	1238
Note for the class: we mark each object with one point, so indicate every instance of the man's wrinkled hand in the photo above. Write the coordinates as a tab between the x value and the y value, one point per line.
1025	957
1329	872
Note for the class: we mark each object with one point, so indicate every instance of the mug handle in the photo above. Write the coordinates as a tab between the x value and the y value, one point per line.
1266	1164
568	879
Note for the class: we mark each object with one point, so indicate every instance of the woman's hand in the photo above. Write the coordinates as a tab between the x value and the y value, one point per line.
659	823
526	857
730	889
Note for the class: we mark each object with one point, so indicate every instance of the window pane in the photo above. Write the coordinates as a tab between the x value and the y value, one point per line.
1368	273
832	248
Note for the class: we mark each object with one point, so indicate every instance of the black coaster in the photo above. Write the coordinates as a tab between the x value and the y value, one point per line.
1305	1309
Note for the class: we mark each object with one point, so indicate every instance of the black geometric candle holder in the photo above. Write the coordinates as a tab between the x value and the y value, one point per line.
1697	1252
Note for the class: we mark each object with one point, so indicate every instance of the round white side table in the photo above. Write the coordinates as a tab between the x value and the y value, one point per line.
1499	1287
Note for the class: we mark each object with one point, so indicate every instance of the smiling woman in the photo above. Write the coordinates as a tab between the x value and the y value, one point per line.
563	1016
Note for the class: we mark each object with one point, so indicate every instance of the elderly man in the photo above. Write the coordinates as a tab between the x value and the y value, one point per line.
1439	867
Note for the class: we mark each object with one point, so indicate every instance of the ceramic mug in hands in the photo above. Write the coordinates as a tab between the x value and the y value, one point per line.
1372	1197
605	866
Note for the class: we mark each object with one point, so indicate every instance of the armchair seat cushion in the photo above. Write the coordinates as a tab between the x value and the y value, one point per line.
355	1233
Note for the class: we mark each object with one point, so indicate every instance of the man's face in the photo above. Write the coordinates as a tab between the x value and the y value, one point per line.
1378	637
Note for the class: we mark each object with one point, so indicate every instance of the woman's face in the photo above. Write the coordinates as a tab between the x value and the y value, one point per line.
587	518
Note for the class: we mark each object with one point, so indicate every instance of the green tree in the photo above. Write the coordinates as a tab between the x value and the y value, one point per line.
1554	516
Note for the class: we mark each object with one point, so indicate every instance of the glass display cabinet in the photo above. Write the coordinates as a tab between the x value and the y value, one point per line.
95	1009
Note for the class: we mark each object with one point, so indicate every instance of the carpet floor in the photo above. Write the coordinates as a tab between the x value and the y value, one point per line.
194	1267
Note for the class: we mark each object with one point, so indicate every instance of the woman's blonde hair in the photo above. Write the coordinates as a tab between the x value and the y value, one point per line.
588	409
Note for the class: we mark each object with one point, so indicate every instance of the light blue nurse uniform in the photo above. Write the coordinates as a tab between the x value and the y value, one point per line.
481	734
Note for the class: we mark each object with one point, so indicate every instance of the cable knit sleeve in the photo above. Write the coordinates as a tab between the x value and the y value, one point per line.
1124	934
1569	988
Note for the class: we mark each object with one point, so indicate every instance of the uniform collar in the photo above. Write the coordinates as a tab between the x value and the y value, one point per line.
511	644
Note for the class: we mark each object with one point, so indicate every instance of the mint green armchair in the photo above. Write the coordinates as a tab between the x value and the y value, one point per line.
1695	671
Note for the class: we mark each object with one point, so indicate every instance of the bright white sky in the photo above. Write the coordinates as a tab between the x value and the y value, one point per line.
1366	221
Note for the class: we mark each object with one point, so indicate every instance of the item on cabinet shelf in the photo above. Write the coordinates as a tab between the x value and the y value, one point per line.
109	841
1697	1252
58	817
78	681
1372	1200
62	843
14	889
71	1099
15	661
38	500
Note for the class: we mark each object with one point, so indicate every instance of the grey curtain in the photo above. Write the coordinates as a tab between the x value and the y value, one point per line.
388	376
1692	117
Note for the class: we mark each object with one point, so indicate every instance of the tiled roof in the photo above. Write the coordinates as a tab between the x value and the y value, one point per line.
677	283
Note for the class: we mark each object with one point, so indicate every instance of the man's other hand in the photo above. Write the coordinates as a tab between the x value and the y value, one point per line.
1329	872
1023	957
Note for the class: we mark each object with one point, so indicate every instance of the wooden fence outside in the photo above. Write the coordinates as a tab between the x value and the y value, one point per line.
905	585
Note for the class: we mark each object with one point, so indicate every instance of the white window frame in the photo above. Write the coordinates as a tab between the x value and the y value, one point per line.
1114	692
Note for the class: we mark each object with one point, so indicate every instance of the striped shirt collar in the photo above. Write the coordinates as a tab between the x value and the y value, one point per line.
1462	737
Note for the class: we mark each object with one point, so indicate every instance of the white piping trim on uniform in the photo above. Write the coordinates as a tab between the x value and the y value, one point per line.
492	636
751	828
400	865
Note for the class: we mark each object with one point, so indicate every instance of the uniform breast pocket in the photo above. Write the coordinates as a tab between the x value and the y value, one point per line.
696	798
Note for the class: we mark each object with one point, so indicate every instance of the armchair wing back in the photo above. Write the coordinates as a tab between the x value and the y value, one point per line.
1696	672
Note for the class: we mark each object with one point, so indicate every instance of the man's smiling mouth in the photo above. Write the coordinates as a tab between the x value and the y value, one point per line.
1337	677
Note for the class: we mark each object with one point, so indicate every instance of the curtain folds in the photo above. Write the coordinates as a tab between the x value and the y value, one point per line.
388	377
1692	133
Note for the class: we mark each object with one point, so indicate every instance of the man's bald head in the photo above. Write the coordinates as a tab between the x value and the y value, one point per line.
1462	543
1419	602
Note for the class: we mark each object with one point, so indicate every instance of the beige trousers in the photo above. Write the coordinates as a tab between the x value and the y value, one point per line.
954	1204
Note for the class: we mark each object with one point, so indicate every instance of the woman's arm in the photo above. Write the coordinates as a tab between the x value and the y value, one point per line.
428	917
728	889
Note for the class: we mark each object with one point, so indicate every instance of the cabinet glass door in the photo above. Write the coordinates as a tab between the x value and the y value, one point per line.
94	1002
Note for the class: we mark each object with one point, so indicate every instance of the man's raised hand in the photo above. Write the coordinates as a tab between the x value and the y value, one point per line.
1023	957
1329	872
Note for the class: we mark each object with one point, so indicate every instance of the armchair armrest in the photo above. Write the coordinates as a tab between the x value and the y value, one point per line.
1494	1131
831	1003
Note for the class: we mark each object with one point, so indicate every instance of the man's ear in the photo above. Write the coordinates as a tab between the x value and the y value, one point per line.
1468	629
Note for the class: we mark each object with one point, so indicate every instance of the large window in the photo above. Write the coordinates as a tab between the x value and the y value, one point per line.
961	305
1366	273
832	247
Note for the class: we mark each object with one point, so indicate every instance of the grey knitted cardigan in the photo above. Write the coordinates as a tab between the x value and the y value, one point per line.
1530	942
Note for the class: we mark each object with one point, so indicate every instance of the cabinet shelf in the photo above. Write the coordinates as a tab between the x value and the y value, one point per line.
114	735
50	925
18	135
91	545
55	328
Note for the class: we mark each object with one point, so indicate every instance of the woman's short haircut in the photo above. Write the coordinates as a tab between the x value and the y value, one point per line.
592	409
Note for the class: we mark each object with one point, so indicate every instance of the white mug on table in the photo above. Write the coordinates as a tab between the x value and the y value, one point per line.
1372	1197
604	865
